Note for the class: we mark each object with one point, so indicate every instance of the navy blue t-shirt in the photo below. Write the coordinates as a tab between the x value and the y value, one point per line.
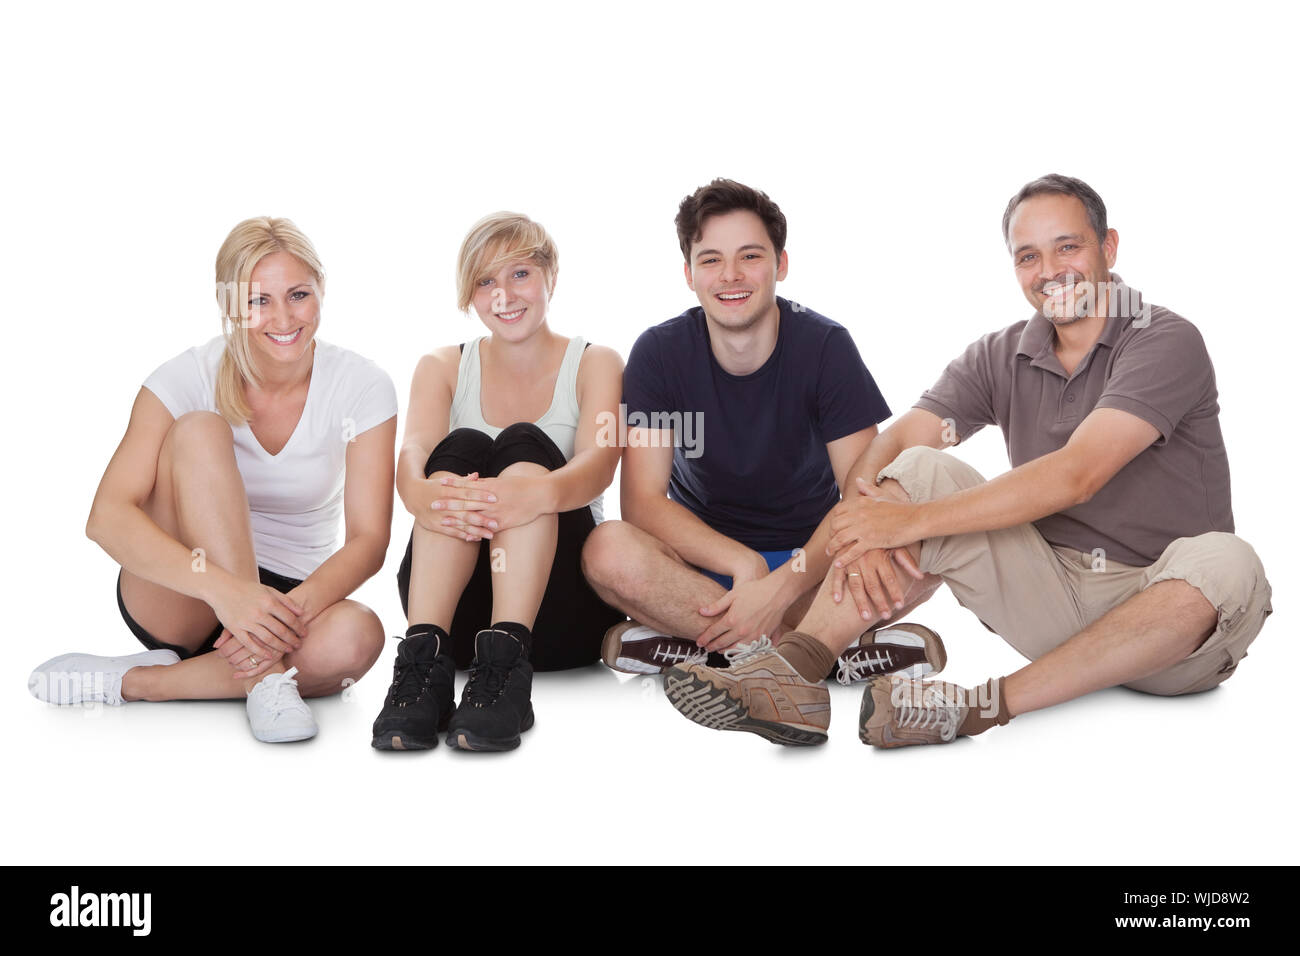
750	454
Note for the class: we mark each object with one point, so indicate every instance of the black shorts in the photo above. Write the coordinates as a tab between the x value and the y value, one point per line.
269	578
572	620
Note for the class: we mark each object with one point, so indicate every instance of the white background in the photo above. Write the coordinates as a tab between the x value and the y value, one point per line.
137	136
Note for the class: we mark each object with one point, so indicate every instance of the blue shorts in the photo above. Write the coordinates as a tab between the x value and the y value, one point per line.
774	560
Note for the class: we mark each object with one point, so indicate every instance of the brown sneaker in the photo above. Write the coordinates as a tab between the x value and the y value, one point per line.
633	648
897	712
758	691
909	650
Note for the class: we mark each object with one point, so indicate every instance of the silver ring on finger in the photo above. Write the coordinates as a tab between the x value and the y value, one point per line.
252	660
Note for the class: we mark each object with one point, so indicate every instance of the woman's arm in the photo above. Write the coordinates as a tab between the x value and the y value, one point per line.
428	419
595	447
262	619
119	524
521	498
367	520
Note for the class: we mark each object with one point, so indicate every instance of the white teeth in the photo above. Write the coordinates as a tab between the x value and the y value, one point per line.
733	295
510	316
283	339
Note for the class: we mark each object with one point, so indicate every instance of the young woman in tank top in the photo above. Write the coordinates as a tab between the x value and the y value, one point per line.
222	505
502	468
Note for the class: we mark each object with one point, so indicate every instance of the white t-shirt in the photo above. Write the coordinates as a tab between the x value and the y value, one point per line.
295	498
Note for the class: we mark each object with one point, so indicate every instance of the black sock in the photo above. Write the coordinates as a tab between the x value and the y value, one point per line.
432	630
519	633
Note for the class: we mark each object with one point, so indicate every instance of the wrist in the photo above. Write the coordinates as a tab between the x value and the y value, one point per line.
549	492
922	524
213	583
791	583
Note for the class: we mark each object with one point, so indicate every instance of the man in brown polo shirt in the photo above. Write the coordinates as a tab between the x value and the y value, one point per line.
1106	555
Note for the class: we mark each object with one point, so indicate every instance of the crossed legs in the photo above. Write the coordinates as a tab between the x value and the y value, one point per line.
199	499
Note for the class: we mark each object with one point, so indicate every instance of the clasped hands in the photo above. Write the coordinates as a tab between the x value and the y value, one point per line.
474	509
870	533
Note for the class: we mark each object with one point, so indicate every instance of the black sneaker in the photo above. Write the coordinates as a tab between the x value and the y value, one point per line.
495	707
420	699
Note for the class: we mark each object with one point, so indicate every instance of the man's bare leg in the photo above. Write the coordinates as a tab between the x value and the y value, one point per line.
646	580
1151	631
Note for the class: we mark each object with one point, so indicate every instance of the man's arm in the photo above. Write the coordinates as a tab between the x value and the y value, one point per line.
1105	441
845	454
644	502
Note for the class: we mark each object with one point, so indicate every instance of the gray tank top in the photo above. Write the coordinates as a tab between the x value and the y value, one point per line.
559	422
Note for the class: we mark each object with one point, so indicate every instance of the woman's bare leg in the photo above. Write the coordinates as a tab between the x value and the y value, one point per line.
521	560
342	643
198	498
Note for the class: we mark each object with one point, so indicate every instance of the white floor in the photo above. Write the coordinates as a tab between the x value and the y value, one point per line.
612	774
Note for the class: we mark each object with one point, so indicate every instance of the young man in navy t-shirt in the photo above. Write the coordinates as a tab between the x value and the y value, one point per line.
745	416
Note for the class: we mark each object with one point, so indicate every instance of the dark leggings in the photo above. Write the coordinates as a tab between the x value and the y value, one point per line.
572	619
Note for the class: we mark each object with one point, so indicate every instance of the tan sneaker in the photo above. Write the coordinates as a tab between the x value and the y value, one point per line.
759	692
908	650
897	712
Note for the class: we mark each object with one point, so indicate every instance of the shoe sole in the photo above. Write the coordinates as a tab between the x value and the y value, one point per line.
610	653
865	713
936	655
291	738
467	740
712	707
404	741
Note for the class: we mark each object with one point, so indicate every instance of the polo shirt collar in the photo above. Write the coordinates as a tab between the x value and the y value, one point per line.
1039	335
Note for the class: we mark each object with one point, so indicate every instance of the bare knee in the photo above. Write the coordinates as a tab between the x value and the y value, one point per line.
197	433
341	649
612	554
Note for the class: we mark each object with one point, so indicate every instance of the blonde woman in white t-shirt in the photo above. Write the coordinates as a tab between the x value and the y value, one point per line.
508	448
222	505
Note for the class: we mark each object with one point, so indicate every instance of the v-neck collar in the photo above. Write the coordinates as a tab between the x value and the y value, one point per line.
311	390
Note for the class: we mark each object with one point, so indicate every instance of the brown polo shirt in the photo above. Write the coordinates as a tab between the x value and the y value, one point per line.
1159	371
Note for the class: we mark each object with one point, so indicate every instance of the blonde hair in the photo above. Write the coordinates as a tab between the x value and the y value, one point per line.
248	243
497	239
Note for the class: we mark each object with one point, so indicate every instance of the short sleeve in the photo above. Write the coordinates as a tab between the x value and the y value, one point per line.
644	387
848	399
1160	373
964	391
376	400
181	386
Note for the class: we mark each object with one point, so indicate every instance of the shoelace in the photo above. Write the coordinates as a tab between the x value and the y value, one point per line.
743	652
486	682
276	684
675	653
409	680
853	668
934	712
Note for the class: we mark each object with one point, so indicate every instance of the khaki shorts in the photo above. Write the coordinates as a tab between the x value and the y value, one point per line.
1036	595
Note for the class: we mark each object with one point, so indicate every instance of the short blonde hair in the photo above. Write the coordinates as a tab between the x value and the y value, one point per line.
497	239
248	243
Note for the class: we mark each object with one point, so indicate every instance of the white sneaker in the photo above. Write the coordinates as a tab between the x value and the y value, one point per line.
87	679
276	713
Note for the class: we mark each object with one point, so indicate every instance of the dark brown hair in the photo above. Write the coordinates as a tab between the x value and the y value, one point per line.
723	196
1062	186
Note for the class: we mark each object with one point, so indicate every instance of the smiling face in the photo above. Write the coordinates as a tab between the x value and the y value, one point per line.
284	312
512	301
733	269
1060	264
